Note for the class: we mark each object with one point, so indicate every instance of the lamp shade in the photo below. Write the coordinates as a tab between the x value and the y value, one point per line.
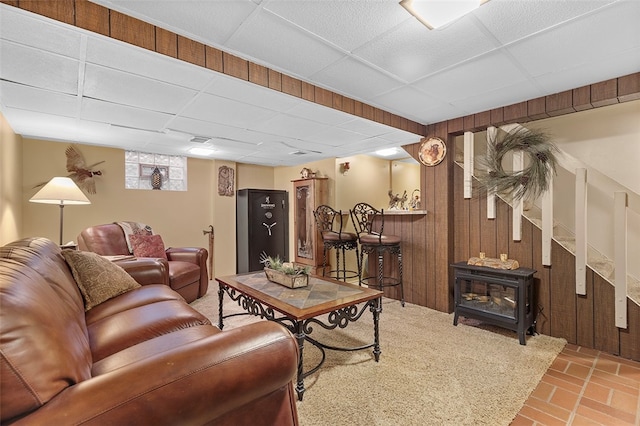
60	190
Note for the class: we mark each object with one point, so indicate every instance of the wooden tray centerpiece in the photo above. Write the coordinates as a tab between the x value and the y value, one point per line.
286	273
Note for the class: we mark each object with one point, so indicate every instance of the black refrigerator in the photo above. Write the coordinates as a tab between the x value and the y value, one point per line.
262	226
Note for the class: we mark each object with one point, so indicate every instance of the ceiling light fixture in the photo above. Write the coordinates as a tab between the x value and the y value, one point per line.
436	13
387	152
201	151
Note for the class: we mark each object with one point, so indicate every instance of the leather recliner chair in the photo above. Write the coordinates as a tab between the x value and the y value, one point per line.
186	266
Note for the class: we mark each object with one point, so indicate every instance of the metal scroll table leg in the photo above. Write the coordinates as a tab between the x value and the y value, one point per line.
300	337
376	308
220	303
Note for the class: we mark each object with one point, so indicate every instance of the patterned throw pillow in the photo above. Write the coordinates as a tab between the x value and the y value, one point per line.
98	278
147	245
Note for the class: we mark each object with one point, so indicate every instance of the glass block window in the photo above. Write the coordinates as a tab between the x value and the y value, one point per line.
139	166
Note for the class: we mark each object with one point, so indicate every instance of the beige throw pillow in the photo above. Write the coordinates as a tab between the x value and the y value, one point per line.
98	278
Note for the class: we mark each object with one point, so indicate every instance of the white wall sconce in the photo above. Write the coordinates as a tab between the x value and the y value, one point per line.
344	168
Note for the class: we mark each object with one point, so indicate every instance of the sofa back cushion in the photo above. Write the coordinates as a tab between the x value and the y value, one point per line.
107	240
43	337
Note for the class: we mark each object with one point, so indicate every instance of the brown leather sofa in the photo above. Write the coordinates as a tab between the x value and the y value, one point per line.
186	266
143	357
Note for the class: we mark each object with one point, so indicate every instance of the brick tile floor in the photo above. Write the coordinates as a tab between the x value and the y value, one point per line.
585	387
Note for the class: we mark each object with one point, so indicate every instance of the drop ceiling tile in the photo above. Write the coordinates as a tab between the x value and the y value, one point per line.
251	93
30	98
595	70
314	112
125	57
480	75
580	42
328	20
122	115
509	20
355	78
130	89
335	136
290	126
20	26
213	21
502	96
39	125
366	127
412	51
38	68
406	98
215	109
269	39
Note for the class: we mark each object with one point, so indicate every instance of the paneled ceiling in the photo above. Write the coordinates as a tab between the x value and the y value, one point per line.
63	83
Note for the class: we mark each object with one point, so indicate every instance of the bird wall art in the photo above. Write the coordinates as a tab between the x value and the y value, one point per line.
78	170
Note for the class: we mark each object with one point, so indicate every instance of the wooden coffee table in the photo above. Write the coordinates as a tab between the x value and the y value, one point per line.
298	309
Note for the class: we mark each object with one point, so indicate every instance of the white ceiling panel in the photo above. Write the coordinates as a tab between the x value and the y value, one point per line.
354	77
509	20
33	99
122	115
121	56
215	20
408	98
38	68
65	83
129	89
581	42
479	75
290	126
226	111
252	94
315	112
346	24
17	25
267	37
411	51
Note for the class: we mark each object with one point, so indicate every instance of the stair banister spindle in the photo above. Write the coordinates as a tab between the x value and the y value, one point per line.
620	253
581	231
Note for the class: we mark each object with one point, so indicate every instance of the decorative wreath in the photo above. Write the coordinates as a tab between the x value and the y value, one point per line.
535	178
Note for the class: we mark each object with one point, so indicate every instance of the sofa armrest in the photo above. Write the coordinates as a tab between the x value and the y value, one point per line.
197	255
146	270
194	383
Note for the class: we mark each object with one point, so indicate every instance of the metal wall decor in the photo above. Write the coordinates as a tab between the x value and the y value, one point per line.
226	181
432	151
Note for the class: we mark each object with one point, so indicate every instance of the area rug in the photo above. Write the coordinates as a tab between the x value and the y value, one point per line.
430	372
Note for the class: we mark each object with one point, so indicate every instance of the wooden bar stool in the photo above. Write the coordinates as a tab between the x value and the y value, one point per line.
369	224
327	219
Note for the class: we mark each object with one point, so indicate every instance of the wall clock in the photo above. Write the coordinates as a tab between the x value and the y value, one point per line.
432	151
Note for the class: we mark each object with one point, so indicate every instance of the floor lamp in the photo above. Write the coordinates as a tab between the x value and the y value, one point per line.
62	191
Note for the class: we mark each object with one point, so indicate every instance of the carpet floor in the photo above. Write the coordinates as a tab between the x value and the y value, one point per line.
430	372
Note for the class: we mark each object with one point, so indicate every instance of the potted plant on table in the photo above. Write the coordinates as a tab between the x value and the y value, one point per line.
285	273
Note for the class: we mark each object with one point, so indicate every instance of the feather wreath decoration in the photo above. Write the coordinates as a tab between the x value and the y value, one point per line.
535	178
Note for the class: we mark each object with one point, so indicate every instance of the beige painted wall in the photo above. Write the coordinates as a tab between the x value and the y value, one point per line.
178	216
10	183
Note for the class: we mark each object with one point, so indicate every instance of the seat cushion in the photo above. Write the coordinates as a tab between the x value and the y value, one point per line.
182	273
127	328
385	240
332	236
145	295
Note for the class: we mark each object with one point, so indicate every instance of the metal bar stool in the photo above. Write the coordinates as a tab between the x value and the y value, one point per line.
369	224
339	240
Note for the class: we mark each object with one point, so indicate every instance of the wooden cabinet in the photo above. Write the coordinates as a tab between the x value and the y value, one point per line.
308	194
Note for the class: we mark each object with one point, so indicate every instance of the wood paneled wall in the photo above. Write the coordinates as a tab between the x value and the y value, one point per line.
101	20
583	320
